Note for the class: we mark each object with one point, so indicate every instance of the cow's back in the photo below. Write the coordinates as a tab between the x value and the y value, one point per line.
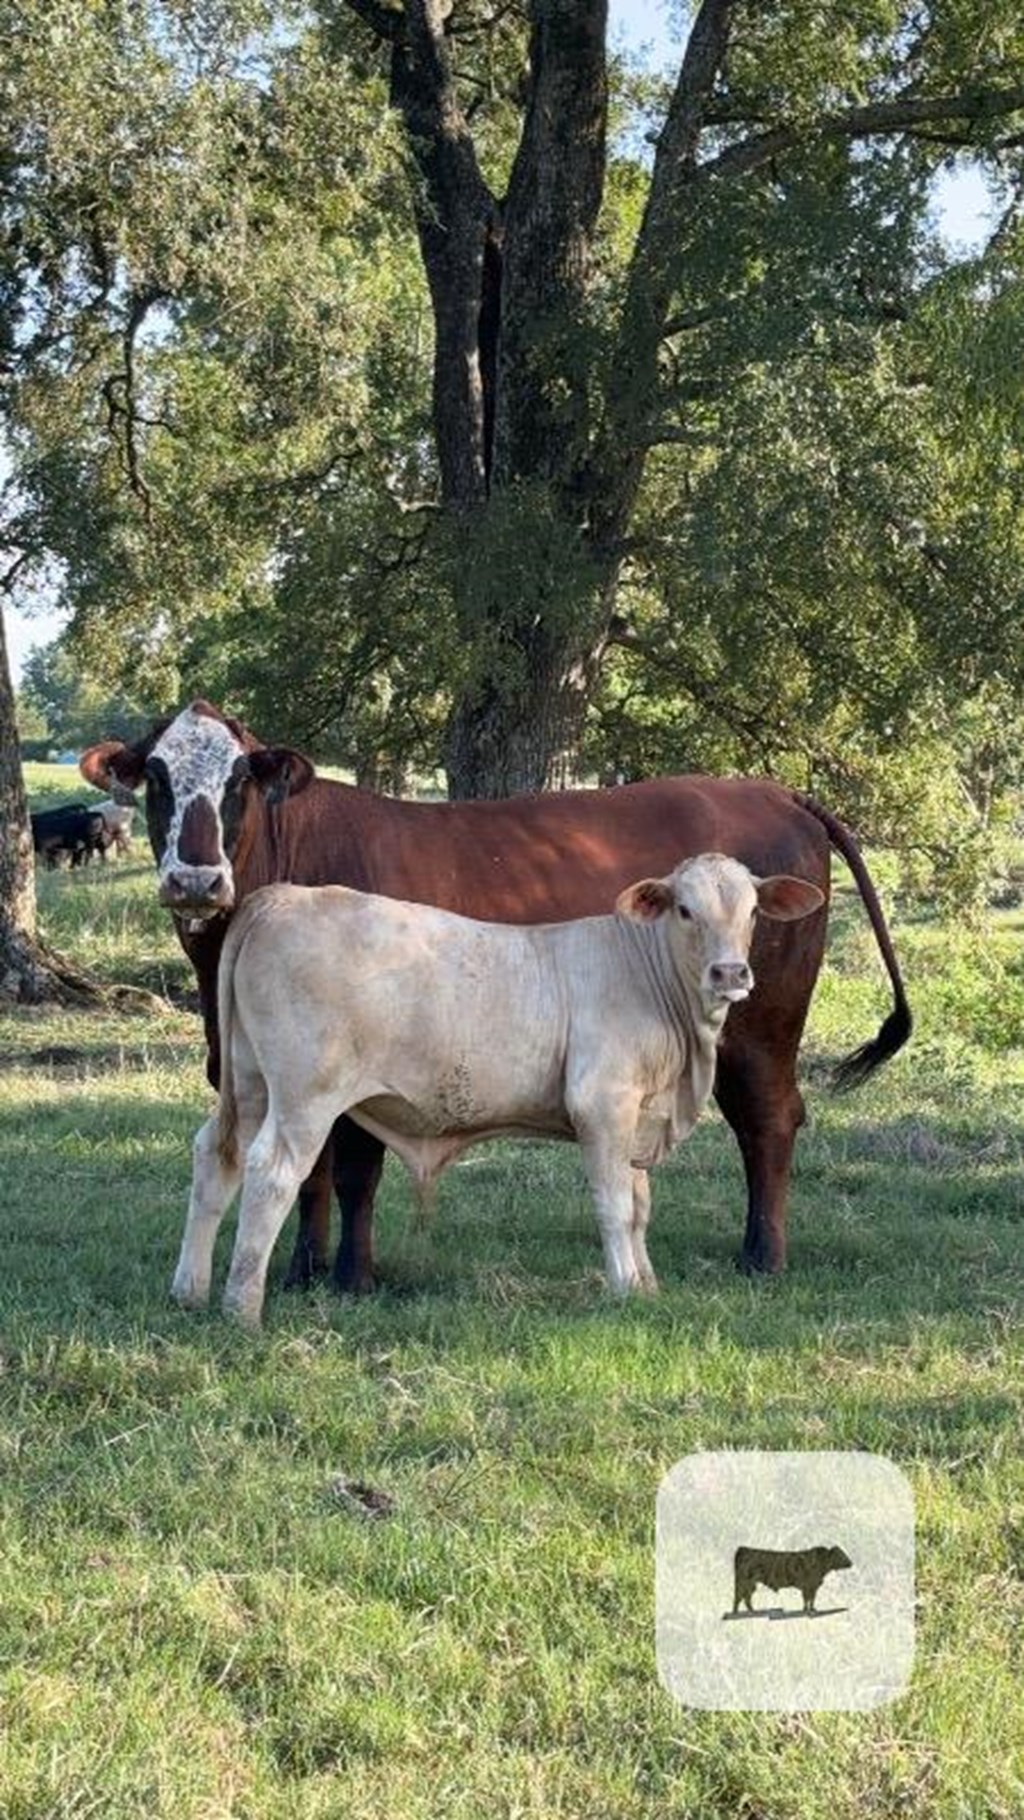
531	859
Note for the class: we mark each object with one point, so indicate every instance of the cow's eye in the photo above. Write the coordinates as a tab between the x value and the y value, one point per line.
687	915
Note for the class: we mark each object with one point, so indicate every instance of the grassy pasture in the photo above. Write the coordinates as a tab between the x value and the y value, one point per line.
194	1623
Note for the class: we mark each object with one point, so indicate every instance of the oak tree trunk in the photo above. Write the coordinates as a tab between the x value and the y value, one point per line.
22	977
30	972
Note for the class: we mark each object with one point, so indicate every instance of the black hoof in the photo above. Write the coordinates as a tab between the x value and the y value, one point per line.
355	1282
755	1264
305	1270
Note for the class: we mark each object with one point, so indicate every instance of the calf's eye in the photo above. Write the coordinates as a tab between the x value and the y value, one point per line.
687	915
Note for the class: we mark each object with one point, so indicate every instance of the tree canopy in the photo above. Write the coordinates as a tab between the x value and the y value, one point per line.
433	386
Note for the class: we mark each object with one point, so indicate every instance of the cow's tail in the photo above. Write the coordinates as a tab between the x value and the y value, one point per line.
855	1068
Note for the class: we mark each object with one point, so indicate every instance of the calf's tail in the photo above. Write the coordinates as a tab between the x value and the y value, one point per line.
896	1029
227	1112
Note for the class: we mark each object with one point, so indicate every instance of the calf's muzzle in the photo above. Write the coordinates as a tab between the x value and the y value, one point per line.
731	980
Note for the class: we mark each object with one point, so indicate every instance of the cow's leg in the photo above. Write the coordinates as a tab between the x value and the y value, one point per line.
311	1256
606	1143
213	1187
279	1158
641	1217
358	1161
760	1099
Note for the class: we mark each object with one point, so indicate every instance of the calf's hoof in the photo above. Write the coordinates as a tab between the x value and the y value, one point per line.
188	1293
621	1288
244	1310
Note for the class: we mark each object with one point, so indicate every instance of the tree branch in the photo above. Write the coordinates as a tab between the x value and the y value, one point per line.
660	434
10	574
633	373
692	319
907	114
384	20
554	198
480	26
455	213
119	393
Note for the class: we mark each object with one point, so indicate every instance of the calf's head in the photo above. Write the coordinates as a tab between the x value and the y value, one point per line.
708	907
204	776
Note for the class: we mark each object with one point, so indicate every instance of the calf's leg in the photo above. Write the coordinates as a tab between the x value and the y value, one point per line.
605	1144
280	1156
311	1256
641	1217
213	1188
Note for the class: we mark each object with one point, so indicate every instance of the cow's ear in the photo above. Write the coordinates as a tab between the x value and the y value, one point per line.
279	772
112	762
645	901
786	899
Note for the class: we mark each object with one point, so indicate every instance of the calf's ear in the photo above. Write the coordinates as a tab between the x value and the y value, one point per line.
786	899
279	772
112	763
645	901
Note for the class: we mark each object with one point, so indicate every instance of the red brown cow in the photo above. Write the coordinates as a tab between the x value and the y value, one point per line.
227	814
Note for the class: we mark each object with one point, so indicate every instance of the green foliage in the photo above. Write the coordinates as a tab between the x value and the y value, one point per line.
826	583
32	723
71	709
365	684
219	409
193	354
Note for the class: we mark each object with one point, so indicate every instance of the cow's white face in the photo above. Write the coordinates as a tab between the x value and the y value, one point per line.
203	775
195	778
709	906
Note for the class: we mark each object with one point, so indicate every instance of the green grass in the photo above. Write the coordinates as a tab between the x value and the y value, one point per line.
193	1624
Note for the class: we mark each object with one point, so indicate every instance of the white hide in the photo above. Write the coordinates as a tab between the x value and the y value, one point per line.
434	1032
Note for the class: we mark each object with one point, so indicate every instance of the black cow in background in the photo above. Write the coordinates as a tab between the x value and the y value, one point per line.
74	830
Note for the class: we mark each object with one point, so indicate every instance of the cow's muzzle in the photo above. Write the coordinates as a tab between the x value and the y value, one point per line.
730	981
197	891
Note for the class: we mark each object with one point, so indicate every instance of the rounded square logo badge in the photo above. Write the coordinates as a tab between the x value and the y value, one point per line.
785	1581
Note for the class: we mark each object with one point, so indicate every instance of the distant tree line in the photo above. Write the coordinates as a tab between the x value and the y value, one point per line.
62	706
